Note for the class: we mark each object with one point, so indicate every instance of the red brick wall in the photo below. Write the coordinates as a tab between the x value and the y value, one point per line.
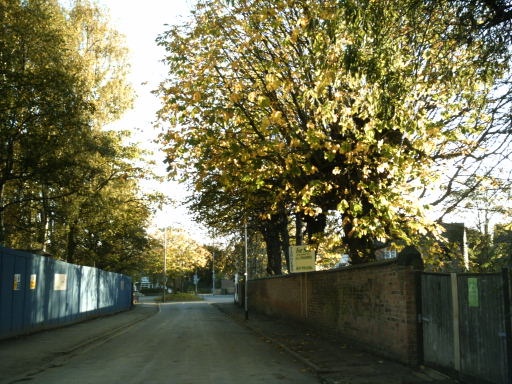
373	304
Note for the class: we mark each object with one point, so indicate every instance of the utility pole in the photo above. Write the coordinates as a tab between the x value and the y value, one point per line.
213	272
165	264
196	280
246	304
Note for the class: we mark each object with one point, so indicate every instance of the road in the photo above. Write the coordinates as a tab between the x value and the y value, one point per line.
184	343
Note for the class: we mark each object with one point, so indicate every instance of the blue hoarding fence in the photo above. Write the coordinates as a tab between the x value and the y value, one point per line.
38	292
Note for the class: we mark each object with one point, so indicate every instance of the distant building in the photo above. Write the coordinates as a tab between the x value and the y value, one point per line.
145	283
344	261
384	250
227	286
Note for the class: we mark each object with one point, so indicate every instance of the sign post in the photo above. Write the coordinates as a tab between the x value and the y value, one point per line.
196	280
246	298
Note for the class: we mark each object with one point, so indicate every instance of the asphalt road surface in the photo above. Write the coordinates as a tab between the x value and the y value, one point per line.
184	343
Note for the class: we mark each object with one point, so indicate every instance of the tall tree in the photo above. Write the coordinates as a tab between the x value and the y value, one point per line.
41	101
355	106
184	256
67	186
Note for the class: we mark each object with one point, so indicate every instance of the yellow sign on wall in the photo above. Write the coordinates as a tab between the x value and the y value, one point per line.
302	259
33	281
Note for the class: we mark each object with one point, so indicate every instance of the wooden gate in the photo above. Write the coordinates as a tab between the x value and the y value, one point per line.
466	325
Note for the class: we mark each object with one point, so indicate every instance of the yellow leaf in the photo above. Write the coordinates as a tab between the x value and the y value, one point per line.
196	97
235	97
303	21
263	101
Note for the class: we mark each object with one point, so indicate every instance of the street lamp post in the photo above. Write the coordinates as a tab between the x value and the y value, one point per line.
246	304
213	272
165	264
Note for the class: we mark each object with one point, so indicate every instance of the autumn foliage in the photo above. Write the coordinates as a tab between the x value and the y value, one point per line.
299	113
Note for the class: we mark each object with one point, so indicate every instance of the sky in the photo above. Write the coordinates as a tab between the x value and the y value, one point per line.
141	22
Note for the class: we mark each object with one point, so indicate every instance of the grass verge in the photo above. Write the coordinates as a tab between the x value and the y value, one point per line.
180	296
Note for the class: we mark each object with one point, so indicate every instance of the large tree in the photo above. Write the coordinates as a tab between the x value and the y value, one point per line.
41	104
183	256
67	186
356	107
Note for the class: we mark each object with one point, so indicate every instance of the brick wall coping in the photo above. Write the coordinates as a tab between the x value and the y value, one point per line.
373	264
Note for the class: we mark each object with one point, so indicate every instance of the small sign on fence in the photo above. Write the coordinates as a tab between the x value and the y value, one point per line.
16	286
33	281
473	292
60	282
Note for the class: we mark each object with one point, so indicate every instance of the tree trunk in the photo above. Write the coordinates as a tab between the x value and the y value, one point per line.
274	264
42	231
72	244
315	225
273	246
2	215
298	228
7	165
285	239
360	249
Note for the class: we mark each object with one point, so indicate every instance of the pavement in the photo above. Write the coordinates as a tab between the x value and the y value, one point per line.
335	361
22	356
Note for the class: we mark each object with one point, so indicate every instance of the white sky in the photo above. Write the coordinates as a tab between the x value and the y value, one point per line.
141	22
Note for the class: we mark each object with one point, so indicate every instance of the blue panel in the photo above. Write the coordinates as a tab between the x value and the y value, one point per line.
38	292
6	269
30	307
44	289
126	292
37	296
88	291
59	285
104	292
19	281
73	292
